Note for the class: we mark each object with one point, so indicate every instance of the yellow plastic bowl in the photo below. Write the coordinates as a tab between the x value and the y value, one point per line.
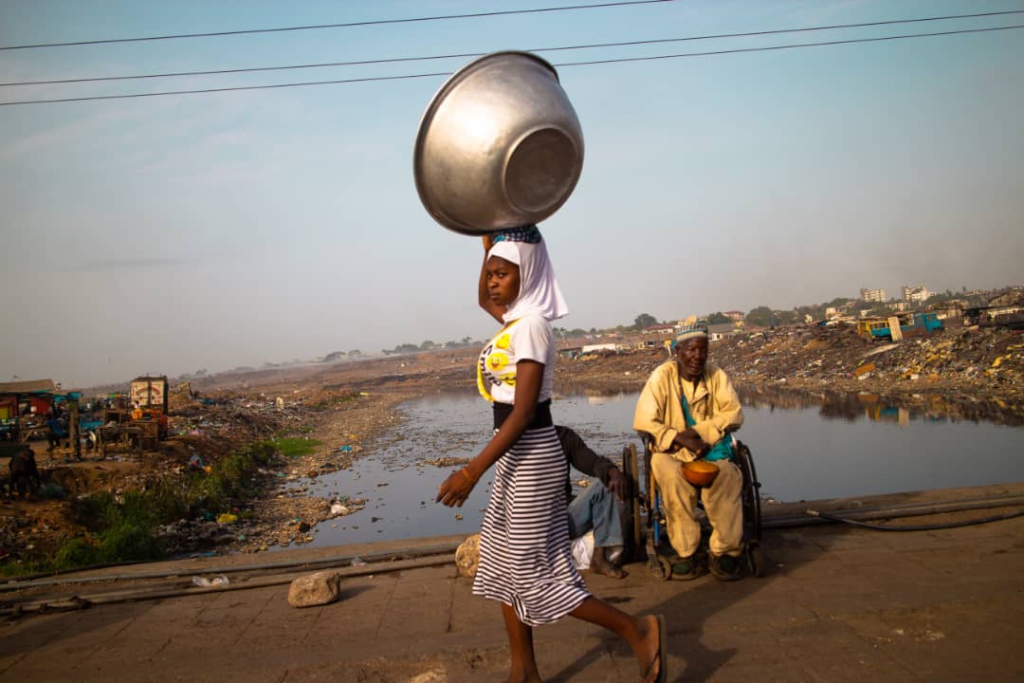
700	472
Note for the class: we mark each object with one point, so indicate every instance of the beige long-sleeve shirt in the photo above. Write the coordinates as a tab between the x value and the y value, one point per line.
713	404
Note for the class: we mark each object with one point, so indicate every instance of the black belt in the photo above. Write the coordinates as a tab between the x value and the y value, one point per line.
541	417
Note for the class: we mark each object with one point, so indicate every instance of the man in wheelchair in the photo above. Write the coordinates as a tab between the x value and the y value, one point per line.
689	408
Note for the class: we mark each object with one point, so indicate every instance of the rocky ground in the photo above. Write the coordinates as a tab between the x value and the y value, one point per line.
972	373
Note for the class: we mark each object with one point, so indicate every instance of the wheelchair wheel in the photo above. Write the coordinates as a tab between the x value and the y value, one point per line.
659	566
751	494
755	560
632	524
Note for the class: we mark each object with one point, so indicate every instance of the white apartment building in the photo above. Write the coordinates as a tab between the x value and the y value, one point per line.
873	295
915	294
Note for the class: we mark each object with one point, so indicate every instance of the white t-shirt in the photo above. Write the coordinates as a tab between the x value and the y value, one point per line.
528	338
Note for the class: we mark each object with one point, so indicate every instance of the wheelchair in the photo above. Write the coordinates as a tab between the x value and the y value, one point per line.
644	524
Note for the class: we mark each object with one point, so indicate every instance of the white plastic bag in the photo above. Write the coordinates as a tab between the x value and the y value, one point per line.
206	583
583	550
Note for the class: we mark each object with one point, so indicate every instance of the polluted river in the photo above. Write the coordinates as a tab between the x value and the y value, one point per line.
803	449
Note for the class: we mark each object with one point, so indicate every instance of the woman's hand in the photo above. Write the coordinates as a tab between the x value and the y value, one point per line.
488	240
456	488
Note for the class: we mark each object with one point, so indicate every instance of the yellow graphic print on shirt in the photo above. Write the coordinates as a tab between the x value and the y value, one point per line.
493	360
496	361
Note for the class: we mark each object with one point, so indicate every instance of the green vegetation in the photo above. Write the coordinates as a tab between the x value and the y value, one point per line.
335	401
761	316
295	446
718	318
118	530
644	320
122	528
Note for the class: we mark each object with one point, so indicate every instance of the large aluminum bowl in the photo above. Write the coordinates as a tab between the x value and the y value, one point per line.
499	145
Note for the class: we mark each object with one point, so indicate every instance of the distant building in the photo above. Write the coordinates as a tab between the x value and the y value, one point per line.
720	331
831	311
872	295
571	352
23	406
914	294
735	316
594	348
659	329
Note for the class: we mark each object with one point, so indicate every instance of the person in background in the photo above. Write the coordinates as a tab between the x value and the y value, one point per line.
525	554
57	431
689	407
598	507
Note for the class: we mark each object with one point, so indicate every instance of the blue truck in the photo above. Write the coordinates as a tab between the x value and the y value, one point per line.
911	325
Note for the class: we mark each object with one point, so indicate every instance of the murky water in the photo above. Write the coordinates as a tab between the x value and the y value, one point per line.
802	452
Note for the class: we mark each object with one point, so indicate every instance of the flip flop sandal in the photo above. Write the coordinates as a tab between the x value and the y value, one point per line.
660	657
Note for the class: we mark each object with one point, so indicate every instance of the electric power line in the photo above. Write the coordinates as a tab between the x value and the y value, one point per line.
315	27
395	60
768	48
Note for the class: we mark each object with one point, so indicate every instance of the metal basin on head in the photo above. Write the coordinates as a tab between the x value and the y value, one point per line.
498	146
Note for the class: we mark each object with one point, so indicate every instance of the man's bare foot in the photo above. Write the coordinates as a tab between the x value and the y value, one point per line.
599	563
650	654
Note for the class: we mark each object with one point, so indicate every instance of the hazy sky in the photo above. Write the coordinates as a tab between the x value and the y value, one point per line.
168	234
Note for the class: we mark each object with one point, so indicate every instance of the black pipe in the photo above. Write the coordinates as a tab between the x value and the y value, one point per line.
917	527
369	558
892	511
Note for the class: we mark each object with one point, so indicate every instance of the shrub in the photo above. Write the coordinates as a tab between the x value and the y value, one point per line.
122	529
294	446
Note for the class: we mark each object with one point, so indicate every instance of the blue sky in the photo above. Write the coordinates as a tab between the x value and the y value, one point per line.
168	234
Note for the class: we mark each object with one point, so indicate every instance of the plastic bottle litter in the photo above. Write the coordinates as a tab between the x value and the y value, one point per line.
358	562
206	583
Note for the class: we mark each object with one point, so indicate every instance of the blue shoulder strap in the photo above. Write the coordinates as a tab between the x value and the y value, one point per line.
721	450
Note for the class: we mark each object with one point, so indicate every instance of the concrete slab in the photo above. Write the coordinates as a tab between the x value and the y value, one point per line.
839	604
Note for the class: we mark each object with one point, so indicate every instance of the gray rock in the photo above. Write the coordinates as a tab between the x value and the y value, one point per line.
321	588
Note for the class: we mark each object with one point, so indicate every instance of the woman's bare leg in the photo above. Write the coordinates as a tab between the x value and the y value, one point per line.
641	634
520	642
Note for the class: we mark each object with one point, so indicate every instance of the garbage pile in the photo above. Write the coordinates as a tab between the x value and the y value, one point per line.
977	364
239	416
987	363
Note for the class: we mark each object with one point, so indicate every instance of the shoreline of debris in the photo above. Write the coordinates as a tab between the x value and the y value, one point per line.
963	373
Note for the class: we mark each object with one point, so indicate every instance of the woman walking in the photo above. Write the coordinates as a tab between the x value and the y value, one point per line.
525	554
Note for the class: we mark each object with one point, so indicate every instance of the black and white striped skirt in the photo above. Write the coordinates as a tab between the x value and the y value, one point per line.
525	551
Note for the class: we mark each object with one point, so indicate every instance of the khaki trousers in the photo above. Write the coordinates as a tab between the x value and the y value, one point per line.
722	503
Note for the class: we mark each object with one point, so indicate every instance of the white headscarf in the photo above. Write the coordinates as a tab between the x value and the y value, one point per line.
538	289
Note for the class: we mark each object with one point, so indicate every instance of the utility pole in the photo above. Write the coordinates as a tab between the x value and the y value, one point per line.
73	428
